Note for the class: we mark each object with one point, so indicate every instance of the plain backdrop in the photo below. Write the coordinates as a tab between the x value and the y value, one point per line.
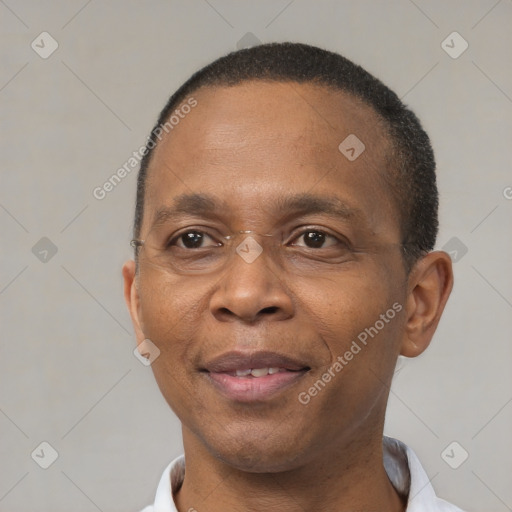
71	119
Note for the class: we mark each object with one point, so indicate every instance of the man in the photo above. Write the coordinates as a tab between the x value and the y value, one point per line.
285	220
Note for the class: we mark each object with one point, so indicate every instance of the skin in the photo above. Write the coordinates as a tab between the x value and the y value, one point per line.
247	146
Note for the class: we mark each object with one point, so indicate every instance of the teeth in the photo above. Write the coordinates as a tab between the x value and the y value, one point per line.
259	372
256	372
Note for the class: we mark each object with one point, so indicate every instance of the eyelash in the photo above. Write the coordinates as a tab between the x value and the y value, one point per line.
309	229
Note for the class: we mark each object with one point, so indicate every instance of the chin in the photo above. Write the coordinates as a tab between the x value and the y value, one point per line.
261	461
264	452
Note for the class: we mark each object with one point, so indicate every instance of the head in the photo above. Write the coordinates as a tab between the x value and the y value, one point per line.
262	150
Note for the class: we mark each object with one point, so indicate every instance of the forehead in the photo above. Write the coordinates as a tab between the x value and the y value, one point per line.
306	112
250	142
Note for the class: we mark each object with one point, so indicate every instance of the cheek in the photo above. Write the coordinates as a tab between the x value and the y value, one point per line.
170	318
359	319
169	314
344	306
356	316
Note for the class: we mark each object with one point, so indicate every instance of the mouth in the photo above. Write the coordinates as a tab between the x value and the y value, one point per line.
253	377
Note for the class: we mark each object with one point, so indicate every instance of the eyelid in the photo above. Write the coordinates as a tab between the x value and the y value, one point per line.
297	232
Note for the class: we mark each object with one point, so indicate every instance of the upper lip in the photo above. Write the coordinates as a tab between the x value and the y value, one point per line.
232	361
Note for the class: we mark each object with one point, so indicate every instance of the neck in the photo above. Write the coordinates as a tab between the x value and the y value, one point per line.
350	477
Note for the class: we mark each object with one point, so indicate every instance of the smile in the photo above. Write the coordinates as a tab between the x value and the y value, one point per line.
253	377
257	372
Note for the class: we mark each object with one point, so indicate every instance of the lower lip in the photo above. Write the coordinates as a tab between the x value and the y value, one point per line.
253	389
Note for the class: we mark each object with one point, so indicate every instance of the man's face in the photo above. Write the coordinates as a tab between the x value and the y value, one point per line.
254	149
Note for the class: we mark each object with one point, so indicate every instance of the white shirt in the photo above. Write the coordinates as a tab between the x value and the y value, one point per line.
401	463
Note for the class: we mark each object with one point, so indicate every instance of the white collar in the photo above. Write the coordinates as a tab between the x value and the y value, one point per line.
400	462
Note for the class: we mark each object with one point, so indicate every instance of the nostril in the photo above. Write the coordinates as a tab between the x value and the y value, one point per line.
269	310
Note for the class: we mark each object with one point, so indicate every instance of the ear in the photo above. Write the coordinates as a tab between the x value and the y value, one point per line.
131	296
429	285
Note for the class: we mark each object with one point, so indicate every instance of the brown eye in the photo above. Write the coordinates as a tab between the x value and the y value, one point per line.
192	240
315	239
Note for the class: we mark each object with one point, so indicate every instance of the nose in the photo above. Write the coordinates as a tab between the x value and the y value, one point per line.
250	292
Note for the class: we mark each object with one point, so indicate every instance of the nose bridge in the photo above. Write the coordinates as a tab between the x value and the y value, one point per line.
249	245
250	285
255	257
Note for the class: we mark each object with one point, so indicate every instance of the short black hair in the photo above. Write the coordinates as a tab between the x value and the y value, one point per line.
411	173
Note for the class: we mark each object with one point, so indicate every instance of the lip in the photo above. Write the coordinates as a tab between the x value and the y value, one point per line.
235	360
220	373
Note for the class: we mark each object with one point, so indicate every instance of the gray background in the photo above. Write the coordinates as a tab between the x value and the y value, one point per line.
68	374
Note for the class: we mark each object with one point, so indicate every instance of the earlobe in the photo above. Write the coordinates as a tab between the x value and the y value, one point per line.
430	284
131	297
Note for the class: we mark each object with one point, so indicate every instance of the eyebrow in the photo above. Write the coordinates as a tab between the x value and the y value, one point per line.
203	205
